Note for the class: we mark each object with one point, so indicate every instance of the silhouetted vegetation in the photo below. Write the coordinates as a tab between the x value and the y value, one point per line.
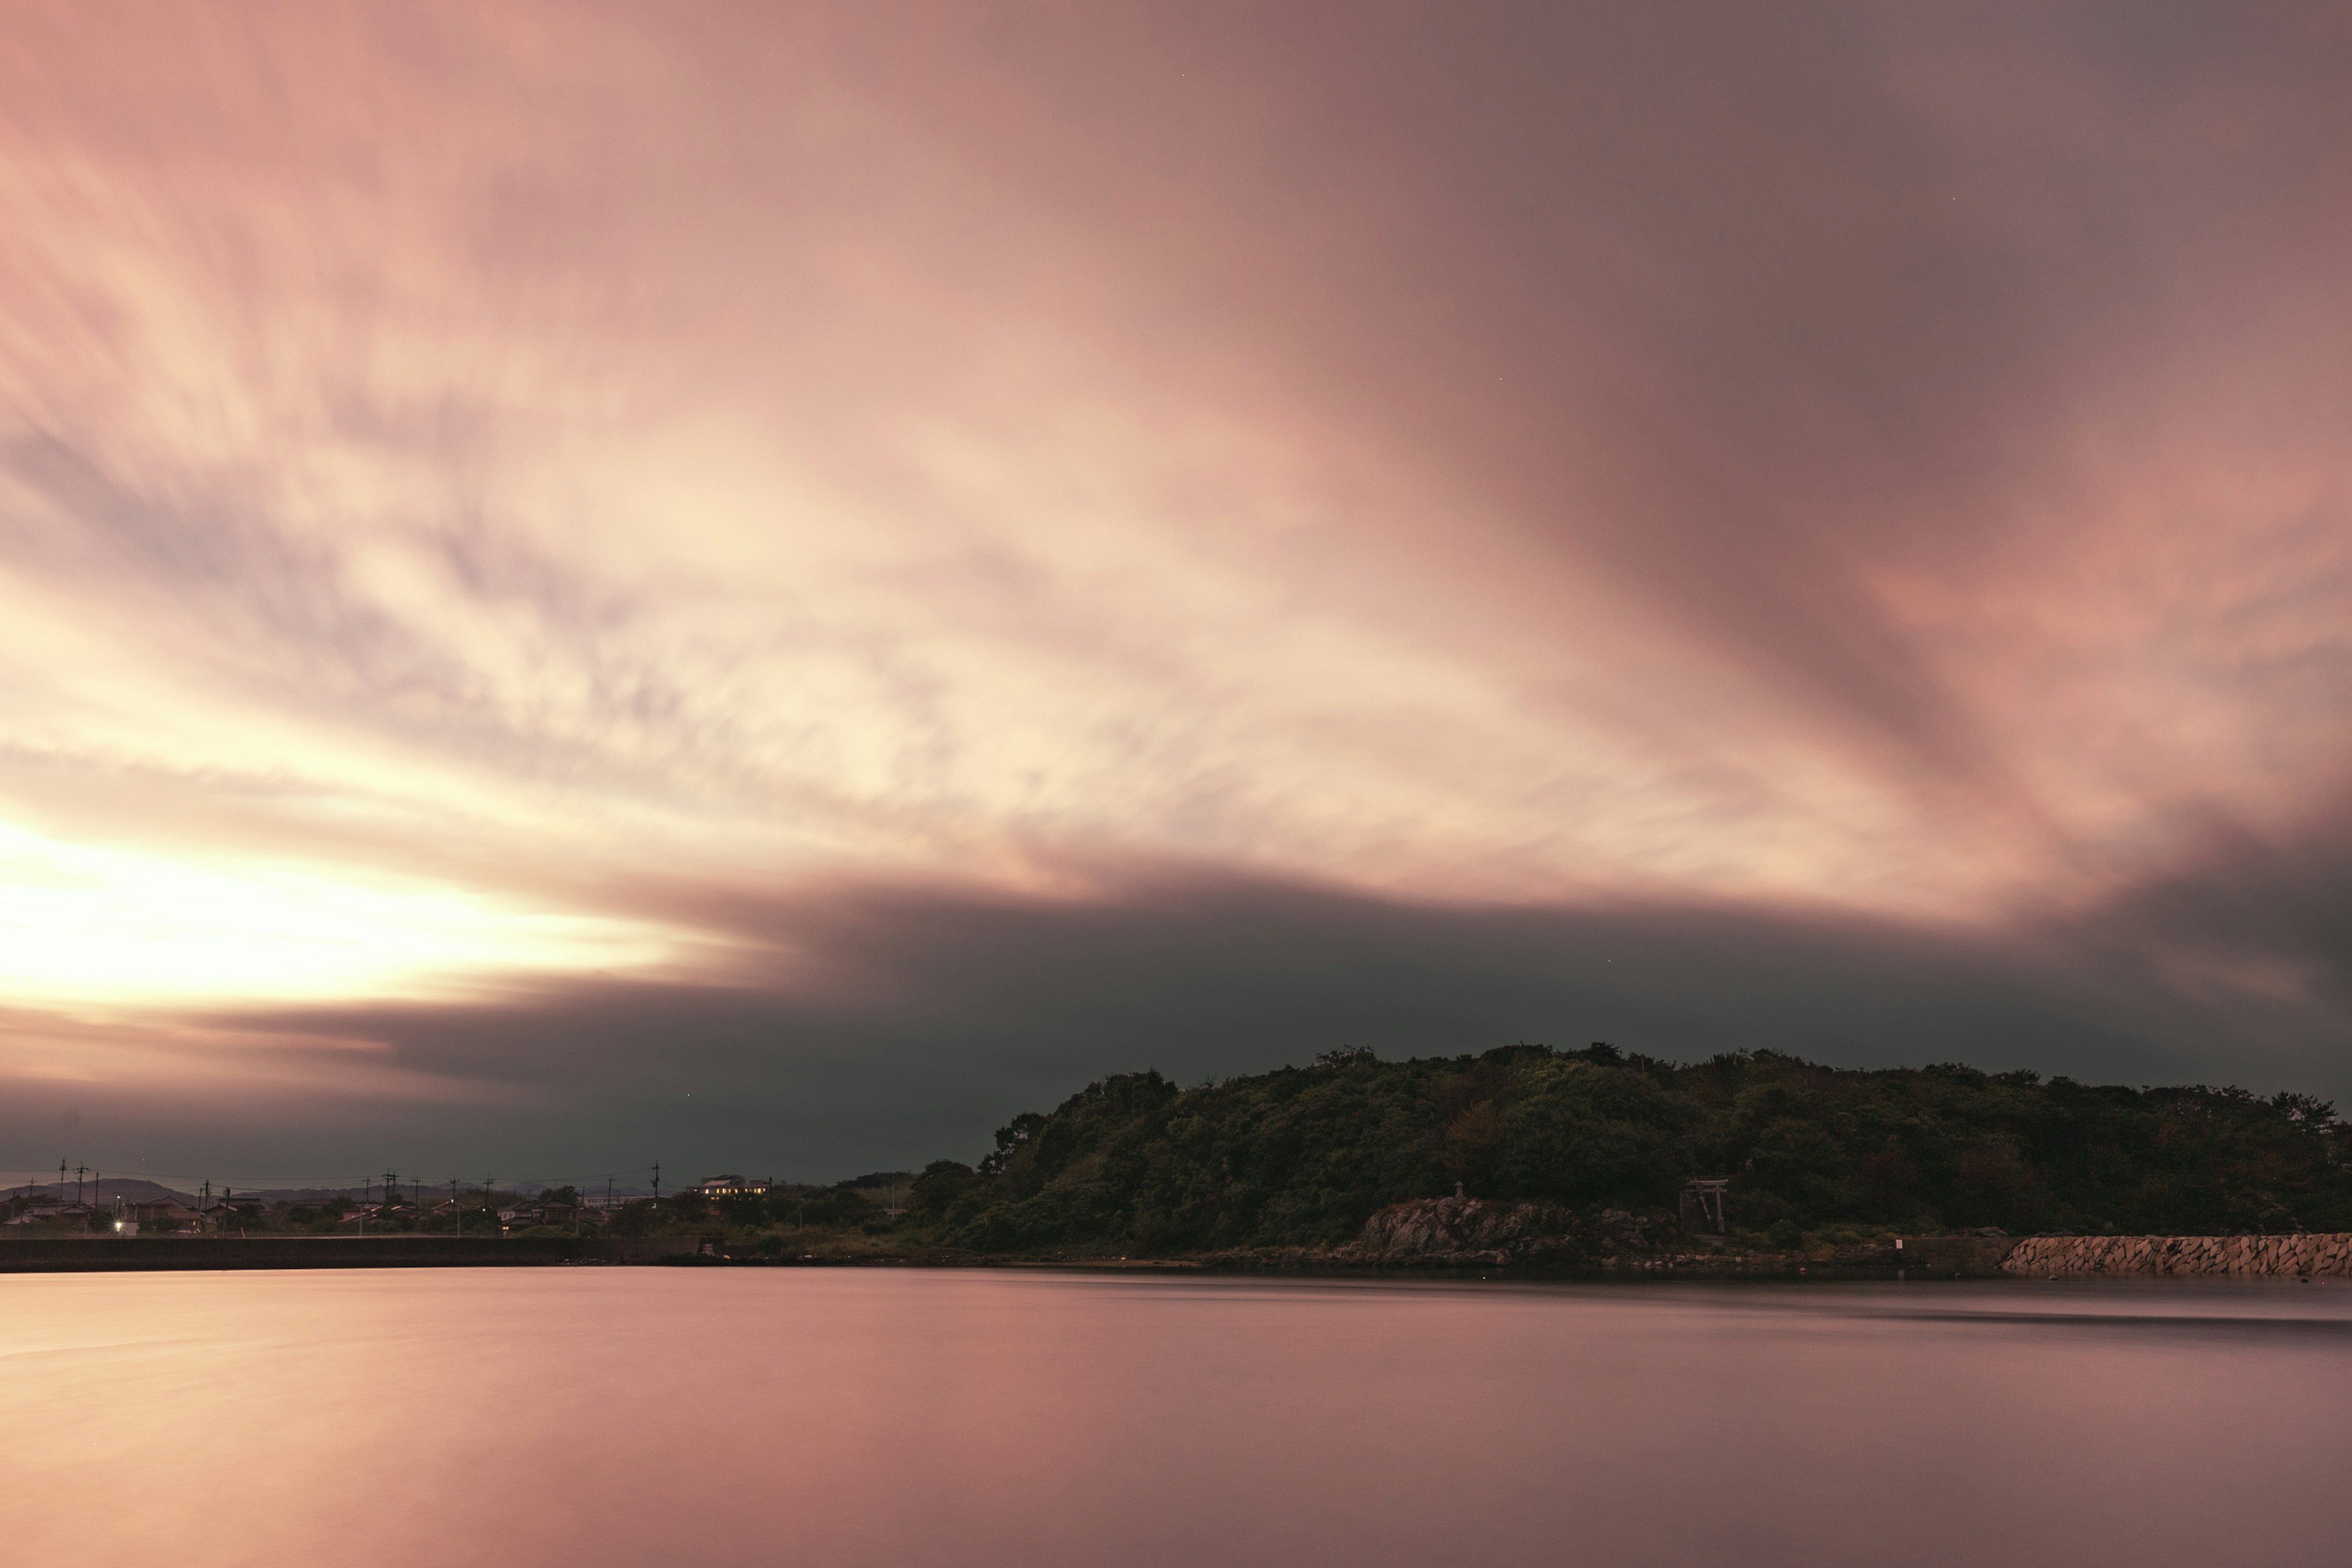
1304	1156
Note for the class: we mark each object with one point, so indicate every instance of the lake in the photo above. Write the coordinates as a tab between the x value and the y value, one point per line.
507	1418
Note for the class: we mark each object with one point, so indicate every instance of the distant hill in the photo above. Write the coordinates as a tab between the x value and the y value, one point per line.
129	1189
1304	1156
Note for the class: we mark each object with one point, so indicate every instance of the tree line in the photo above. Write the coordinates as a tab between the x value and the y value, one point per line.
1304	1156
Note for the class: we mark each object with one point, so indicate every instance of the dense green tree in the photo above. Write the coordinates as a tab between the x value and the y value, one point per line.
1304	1156
935	1190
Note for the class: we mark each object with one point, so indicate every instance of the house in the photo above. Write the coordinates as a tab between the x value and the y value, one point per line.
732	1187
226	1213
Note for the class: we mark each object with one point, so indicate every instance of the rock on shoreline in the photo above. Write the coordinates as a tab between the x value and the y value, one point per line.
2304	1257
1460	1232
1464	1232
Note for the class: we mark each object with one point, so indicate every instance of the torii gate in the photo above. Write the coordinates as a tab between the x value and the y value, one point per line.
1703	1203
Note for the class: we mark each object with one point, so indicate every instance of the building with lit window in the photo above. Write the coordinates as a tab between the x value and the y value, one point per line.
733	1187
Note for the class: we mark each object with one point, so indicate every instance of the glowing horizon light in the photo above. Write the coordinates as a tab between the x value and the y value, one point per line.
83	925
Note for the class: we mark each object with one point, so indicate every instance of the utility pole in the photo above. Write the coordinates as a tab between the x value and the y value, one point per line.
80	1171
657	1181
61	1185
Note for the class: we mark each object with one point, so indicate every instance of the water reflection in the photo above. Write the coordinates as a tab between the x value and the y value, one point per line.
593	1417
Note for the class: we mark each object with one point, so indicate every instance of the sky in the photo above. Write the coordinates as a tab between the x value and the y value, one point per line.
767	587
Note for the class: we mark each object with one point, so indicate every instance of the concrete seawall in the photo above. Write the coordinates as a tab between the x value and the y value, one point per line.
67	1254
2250	1255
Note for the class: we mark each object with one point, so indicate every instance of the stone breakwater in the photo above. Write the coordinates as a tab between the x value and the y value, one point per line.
1458	1233
2301	1256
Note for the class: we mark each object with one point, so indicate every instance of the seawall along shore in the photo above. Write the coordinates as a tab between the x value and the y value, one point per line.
2249	1255
78	1254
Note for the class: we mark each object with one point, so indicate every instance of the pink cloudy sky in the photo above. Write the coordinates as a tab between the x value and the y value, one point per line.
771	585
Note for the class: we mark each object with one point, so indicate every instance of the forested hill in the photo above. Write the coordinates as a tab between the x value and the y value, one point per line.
1302	1156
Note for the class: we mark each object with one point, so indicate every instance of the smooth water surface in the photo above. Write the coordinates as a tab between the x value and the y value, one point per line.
507	1418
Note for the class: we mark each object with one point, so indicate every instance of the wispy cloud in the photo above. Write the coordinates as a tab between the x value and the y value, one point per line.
486	495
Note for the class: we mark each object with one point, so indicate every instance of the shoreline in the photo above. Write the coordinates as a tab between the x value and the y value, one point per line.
110	1255
2297	1257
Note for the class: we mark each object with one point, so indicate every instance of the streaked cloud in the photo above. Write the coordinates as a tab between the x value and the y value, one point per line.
488	498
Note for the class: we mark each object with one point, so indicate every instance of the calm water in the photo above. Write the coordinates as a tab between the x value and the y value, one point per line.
656	1417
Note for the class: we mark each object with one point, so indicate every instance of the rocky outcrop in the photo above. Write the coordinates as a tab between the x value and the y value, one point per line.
1463	1232
2296	1255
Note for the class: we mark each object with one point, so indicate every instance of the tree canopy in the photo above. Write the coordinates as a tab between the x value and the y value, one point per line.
1302	1156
